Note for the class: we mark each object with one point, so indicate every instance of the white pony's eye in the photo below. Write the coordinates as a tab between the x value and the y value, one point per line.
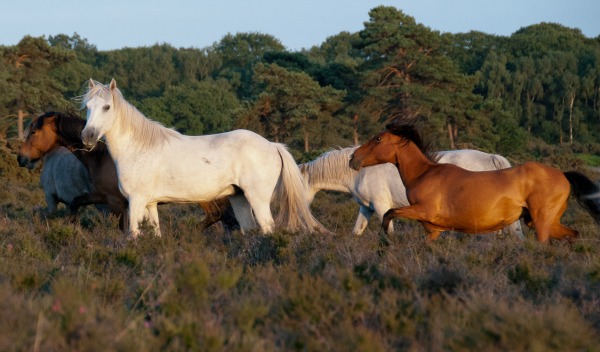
106	107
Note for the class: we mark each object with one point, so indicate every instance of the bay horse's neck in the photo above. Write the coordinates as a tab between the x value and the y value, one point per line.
411	162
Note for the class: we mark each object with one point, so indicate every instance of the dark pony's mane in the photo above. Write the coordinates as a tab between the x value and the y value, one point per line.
68	127
410	132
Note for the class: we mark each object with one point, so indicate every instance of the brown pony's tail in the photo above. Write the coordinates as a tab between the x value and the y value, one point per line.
587	193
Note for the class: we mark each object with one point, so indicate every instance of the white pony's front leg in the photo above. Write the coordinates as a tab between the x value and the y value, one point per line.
362	220
153	217
137	209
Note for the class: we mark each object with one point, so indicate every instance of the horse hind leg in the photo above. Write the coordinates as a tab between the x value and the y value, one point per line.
242	211
547	223
261	207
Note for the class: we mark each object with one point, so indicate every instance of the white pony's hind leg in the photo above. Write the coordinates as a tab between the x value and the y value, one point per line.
242	211
516	229
362	220
261	208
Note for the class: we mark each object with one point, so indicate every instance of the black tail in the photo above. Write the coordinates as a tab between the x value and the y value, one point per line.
586	192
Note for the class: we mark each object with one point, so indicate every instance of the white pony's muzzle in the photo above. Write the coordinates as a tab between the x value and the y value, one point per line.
90	136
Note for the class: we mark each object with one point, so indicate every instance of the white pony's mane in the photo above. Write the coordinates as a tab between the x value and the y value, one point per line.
331	165
147	133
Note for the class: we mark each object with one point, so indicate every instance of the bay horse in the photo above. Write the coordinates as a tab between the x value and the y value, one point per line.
60	130
446	197
158	164
379	188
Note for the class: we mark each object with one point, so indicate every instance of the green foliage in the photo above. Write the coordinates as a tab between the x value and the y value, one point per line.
288	102
472	90
197	108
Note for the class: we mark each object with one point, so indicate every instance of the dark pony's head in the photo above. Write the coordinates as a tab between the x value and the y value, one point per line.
409	131
68	127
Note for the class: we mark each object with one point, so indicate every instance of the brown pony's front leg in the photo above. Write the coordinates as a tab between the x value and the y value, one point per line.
414	212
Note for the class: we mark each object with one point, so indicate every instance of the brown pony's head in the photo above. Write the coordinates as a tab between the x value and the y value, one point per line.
382	148
40	139
48	131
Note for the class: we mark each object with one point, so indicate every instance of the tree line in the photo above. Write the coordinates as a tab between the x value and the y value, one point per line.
472	89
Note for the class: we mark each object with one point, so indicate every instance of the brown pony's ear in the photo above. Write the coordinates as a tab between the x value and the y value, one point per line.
113	84
50	119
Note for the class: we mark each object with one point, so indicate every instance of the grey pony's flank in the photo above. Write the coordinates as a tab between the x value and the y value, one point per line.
63	178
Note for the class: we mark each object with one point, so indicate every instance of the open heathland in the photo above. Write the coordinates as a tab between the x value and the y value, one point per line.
86	286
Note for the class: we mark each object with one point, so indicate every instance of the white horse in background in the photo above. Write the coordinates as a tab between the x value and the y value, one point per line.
379	188
157	164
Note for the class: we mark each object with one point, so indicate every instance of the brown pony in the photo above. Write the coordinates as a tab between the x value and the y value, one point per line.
446	197
54	129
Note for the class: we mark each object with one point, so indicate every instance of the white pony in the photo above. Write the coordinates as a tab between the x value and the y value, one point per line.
379	188
157	164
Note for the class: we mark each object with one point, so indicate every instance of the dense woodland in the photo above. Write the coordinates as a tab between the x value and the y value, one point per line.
538	87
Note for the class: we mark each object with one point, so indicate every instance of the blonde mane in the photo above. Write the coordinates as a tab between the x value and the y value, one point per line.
147	133
331	165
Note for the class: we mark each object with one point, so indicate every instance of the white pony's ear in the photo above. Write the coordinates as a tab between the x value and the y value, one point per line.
113	84
91	83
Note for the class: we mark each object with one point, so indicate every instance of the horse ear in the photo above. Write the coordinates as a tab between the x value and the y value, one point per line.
49	119
113	84
91	83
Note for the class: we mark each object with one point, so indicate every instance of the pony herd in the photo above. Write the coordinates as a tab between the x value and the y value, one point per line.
120	158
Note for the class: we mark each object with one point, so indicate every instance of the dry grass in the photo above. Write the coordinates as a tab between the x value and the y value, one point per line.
85	287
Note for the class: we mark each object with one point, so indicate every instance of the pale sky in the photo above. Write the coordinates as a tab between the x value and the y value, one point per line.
114	24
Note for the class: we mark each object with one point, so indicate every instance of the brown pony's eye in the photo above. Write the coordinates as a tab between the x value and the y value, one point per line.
106	107
377	139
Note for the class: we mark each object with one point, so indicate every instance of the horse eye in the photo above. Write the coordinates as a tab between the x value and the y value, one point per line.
106	107
378	139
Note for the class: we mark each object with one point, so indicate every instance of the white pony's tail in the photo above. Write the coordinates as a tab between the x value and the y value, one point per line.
500	162
294	213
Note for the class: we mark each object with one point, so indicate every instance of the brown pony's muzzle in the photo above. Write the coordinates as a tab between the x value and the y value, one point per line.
26	162
355	163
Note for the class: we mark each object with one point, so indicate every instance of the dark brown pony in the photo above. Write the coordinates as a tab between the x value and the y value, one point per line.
54	129
446	197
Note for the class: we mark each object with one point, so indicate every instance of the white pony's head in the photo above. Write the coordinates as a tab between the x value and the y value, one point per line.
101	111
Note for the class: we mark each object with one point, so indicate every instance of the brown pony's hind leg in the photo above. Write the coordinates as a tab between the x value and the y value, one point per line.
547	223
562	231
433	235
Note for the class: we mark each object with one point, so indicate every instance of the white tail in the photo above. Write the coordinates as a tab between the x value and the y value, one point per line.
500	162
294	213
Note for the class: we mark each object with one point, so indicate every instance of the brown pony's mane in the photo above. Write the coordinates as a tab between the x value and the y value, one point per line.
68	127
410	131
